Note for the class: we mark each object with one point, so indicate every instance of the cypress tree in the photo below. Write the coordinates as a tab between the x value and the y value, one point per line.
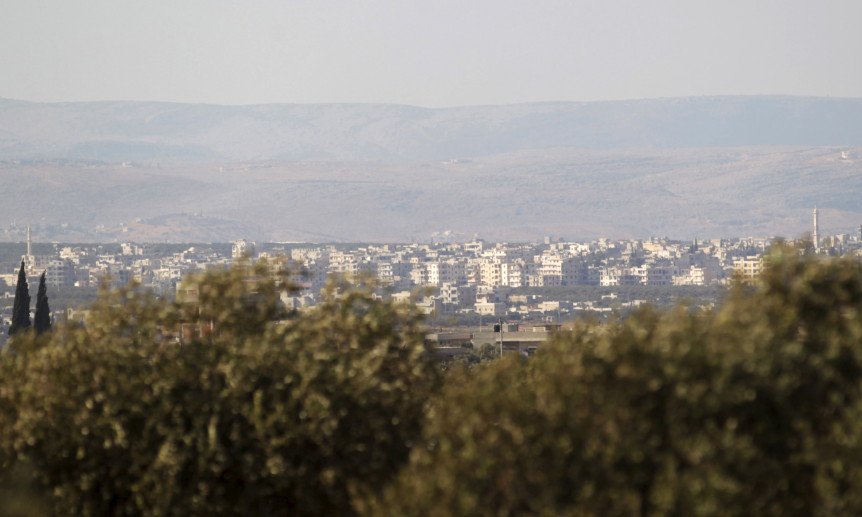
21	306
42	319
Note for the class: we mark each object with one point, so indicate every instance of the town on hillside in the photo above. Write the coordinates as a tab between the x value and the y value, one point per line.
469	291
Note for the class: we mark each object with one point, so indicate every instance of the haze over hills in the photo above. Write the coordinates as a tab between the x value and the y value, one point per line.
692	167
124	131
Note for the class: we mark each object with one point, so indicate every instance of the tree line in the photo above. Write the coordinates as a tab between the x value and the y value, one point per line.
752	408
21	306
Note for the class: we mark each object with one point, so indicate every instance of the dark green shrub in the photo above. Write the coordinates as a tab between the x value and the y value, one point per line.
250	417
753	409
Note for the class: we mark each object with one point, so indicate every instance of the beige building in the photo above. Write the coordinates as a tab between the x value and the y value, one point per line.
748	267
488	308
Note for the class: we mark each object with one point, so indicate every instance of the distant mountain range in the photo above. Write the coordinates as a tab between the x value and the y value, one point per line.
147	131
692	167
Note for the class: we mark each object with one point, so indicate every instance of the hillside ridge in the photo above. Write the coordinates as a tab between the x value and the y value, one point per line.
116	131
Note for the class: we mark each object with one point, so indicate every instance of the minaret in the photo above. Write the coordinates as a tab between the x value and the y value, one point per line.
815	237
29	262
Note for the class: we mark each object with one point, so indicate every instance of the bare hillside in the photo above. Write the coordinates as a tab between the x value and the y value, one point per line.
575	193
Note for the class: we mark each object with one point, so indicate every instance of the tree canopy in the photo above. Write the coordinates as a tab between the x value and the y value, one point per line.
42	318
258	415
753	408
21	304
223	402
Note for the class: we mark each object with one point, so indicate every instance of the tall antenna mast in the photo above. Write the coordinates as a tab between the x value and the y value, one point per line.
815	237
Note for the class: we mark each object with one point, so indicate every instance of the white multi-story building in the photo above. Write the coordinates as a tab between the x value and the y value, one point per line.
457	294
490	272
343	263
511	274
385	272
475	247
614	276
441	272
695	275
242	248
419	275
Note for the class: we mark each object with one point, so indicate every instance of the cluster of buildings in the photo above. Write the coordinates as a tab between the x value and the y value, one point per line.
88	266
471	279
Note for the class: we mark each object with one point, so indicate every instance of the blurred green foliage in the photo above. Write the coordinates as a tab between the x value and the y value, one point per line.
754	408
260	415
751	409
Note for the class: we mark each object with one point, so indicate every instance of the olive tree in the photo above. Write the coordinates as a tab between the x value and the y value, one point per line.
251	412
753	408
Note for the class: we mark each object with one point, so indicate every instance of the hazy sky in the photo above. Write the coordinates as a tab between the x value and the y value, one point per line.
430	53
